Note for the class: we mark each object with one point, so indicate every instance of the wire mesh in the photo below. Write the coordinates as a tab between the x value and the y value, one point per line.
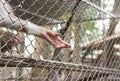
90	26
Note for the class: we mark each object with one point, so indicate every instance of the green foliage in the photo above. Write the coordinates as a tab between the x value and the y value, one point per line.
90	13
89	26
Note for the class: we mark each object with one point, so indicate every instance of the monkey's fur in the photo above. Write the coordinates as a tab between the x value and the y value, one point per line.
8	40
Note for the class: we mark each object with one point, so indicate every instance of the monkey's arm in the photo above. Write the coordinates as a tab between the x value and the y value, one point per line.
9	20
18	24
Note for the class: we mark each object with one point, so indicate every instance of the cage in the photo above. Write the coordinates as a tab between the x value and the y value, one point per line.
90	26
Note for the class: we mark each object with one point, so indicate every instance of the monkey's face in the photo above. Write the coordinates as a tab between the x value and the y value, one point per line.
9	40
17	39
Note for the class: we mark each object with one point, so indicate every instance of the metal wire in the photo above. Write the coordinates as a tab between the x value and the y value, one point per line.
90	26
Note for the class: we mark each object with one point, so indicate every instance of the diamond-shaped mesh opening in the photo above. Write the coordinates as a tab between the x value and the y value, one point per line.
90	26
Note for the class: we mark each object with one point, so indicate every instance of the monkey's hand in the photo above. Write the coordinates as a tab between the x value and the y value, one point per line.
54	39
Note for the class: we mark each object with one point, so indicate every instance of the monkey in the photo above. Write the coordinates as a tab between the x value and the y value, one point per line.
8	40
9	20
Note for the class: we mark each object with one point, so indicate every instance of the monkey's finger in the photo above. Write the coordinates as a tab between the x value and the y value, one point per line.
62	41
53	37
49	39
59	44
53	33
57	34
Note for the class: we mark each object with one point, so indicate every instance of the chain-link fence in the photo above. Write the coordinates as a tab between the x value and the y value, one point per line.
90	26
